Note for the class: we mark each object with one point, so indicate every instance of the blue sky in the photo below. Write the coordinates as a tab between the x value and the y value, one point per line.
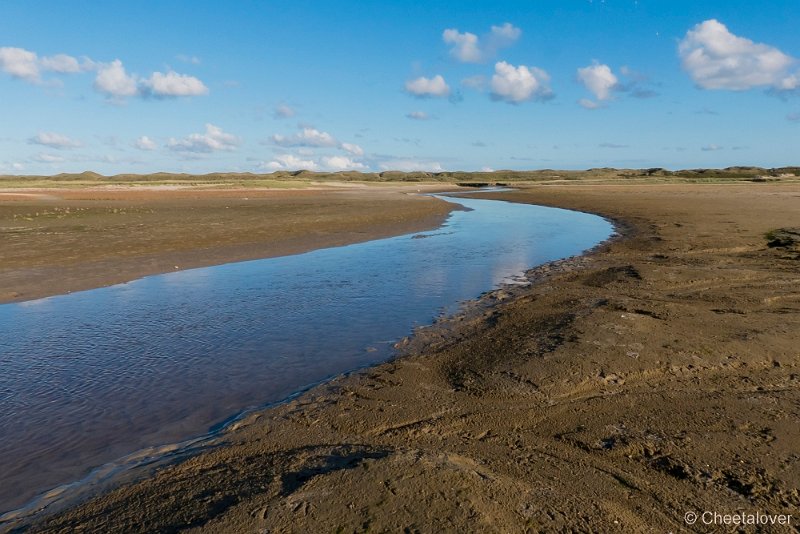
258	86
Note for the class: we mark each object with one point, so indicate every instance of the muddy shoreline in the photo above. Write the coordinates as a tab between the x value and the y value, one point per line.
656	376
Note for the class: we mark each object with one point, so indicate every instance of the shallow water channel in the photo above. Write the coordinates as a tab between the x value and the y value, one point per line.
92	376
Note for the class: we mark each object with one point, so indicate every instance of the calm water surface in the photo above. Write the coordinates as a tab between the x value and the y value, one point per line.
92	376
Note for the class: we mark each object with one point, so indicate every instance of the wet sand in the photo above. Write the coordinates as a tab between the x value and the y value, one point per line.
654	377
55	241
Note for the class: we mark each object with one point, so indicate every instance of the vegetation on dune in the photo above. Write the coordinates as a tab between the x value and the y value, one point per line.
305	178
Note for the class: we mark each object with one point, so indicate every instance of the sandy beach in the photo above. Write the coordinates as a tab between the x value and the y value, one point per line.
58	240
623	390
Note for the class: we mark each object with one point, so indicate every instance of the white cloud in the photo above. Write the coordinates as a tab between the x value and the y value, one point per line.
48	158
353	149
145	143
506	34
20	63
518	84
113	81
428	87
61	63
53	140
715	58
411	165
599	80
173	84
213	140
306	137
283	112
465	45
711	148
27	65
14	166
589	104
342	163
418	116
469	48
290	162
306	141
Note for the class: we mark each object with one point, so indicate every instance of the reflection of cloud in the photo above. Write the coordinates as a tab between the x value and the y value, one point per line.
43	303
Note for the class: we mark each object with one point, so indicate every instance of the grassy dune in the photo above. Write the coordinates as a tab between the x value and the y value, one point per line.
302	179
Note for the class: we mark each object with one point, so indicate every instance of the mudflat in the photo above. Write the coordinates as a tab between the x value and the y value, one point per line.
59	240
655	377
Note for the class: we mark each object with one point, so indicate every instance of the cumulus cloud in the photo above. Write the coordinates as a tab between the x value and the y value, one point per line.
61	63
54	140
28	66
589	104
505	35
113	81
418	116
306	137
20	63
603	83
599	80
353	149
145	143
423	87
290	162
711	148
342	163
310	138
48	158
283	112
467	47
213	140
11	166
517	84
715	58
173	84
411	165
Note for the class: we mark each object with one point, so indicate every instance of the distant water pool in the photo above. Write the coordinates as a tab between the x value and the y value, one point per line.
92	376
